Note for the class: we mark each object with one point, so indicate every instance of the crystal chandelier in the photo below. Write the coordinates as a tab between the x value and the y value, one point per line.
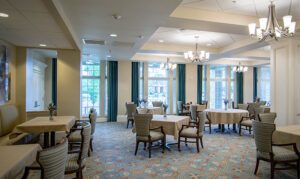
269	27
196	56
240	68
168	65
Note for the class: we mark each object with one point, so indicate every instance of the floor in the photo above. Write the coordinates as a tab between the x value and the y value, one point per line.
225	155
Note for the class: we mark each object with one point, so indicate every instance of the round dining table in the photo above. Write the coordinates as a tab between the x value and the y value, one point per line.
222	116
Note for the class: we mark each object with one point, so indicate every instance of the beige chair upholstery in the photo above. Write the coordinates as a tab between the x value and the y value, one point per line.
273	153
157	103
9	119
131	111
254	110
181	110
76	159
242	106
147	135
267	117
194	130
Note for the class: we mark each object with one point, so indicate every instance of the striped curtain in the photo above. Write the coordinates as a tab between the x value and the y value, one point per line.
199	84
112	91
134	82
240	87
181	83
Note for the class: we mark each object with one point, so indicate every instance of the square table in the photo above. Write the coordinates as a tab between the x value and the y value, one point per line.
14	158
46	126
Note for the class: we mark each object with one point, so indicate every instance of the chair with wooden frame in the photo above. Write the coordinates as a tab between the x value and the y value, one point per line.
181	109
267	117
273	153
146	134
131	111
51	161
76	158
194	131
246	121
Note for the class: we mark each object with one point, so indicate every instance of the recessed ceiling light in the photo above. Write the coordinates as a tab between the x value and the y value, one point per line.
43	45
116	16
3	14
161	41
113	35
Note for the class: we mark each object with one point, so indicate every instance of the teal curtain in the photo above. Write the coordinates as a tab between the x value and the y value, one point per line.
181	82
255	78
112	91
199	84
240	88
134	82
54	81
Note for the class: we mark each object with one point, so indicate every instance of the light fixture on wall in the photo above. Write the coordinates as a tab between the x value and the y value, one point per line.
197	57
240	68
269	27
168	65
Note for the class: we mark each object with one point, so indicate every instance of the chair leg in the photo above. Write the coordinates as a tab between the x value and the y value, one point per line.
197	143
179	144
144	145
256	167
127	123
132	123
136	147
240	129
150	145
185	141
80	174
249	130
210	128
91	145
298	170
201	142
25	173
272	169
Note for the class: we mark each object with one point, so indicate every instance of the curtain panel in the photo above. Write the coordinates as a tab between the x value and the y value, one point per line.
112	91
135	82
181	83
255	79
199	84
240	87
54	81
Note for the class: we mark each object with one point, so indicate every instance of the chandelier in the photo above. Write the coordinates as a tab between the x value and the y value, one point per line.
168	65
269	27
196	56
240	68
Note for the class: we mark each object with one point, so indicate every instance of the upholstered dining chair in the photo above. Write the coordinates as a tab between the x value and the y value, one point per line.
75	135
51	161
246	121
273	153
131	111
194	131
242	106
146	134
126	105
267	117
157	103
181	110
77	158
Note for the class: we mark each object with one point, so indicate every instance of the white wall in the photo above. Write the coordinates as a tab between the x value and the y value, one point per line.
124	85
191	83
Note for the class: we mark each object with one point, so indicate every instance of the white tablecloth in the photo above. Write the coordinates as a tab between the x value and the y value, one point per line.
14	158
151	110
222	116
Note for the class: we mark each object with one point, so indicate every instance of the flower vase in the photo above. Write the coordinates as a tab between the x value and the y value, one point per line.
226	106
51	116
165	112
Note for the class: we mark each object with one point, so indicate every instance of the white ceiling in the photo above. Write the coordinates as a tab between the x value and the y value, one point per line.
30	24
187	37
92	19
247	7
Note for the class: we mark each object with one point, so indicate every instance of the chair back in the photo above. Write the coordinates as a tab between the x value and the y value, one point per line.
242	106
201	118
205	103
194	112
263	135
262	103
267	117
142	124
179	106
85	140
53	160
131	110
258	109
253	109
201	107
157	103
93	118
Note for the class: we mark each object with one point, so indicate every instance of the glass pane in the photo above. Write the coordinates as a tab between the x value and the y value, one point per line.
265	90
90	95
154	70
158	91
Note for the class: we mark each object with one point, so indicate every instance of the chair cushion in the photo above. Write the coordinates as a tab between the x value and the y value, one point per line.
154	136
189	132
71	163
247	123
280	154
75	136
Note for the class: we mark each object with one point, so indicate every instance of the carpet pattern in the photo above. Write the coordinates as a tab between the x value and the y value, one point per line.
224	156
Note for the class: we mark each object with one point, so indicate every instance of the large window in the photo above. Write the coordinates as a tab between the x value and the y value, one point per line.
158	83
218	86
264	84
90	89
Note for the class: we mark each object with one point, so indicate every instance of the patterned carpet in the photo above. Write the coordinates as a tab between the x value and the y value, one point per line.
224	156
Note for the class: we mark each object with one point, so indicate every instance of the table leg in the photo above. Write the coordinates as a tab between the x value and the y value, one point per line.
46	139
52	138
234	127
223	127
